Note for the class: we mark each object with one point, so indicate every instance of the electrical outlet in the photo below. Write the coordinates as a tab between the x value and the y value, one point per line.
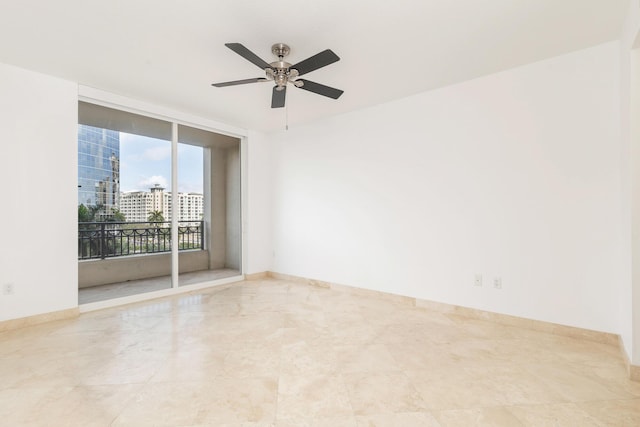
478	281
497	282
7	289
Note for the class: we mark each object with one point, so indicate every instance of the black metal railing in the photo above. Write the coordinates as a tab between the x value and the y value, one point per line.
99	240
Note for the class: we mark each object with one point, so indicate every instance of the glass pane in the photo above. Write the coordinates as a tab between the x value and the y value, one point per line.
209	173
190	202
145	179
124	213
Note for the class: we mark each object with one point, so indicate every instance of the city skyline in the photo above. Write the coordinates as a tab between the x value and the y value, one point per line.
112	162
128	174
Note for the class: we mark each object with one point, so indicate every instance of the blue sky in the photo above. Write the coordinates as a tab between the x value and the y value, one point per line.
146	161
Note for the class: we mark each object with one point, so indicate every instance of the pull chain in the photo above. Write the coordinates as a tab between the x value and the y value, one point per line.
286	117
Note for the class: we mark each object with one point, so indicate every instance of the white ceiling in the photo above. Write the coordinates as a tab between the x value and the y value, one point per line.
169	52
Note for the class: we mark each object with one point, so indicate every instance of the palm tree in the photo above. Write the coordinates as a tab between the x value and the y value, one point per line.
155	216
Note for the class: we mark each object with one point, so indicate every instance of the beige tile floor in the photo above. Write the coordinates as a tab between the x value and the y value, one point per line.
275	353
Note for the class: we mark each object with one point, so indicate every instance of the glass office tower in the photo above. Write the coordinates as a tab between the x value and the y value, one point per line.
98	168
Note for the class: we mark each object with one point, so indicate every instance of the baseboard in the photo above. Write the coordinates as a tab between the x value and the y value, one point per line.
634	372
521	322
503	319
7	325
257	276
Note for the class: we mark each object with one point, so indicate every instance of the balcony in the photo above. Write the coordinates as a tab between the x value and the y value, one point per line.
99	240
112	253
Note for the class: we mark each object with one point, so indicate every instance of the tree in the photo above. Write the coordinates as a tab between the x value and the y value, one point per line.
155	216
117	216
96	212
83	213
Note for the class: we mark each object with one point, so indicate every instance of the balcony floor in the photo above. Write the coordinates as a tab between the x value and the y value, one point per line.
135	287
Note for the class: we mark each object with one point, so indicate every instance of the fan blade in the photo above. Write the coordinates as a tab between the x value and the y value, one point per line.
240	82
248	55
278	97
319	60
320	89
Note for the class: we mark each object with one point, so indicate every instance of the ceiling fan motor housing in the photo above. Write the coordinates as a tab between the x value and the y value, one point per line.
280	71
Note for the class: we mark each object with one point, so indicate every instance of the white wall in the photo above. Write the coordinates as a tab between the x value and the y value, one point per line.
38	169
634	135
259	221
516	175
630	155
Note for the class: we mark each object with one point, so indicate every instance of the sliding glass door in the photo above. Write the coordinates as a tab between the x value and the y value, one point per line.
158	204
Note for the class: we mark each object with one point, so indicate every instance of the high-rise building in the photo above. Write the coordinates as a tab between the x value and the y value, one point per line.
98	168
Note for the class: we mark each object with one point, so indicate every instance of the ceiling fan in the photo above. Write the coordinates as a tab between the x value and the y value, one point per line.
282	72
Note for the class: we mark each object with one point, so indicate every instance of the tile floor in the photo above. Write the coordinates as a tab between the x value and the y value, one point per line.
275	353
